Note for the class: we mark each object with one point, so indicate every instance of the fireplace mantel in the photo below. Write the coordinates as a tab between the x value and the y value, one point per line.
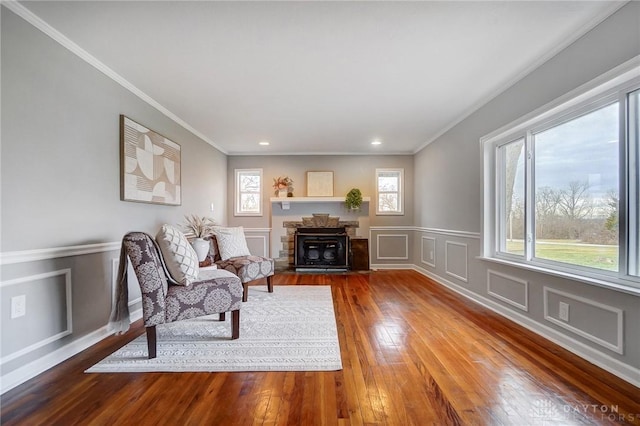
286	202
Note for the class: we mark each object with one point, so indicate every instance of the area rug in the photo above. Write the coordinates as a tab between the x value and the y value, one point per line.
291	329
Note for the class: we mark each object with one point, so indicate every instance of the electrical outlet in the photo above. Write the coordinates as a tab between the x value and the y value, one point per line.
18	306
563	311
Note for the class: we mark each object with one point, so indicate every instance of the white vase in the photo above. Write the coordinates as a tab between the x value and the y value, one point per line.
282	193
201	246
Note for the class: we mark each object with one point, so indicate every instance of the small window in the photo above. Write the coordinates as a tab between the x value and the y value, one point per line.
389	191
248	192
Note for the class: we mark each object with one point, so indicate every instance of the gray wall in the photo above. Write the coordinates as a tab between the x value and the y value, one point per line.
349	171
61	188
448	210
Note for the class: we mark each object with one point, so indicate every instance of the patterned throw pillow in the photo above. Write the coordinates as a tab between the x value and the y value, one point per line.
180	257
231	242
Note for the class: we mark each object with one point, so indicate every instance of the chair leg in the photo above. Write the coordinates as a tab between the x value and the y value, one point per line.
235	324
222	316
151	341
270	283
245	291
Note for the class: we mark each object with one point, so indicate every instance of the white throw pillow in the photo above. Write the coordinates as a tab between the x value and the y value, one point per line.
180	257
231	242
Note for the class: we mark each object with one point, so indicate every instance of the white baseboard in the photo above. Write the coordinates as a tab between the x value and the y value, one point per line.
21	375
624	371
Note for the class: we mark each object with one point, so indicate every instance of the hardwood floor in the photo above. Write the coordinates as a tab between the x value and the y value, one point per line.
413	352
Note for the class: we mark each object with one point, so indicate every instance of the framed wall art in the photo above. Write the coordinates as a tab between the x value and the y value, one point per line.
319	184
149	165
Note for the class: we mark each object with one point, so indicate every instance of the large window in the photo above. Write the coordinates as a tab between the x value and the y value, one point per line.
389	191
248	192
561	186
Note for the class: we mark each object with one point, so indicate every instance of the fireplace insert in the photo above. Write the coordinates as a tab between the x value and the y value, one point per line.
321	248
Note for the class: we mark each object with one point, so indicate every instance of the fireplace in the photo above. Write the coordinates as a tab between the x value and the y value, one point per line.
321	248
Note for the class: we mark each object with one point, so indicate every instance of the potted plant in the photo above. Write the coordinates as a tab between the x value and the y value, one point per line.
201	227
283	186
353	200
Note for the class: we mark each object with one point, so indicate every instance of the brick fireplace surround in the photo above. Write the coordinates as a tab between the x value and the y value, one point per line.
286	261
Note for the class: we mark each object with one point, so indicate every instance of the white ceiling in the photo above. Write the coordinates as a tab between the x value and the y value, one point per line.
321	77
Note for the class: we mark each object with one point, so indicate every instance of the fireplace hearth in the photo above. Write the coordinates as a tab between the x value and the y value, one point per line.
322	247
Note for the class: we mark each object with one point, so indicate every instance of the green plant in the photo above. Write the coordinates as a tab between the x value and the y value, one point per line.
199	226
353	200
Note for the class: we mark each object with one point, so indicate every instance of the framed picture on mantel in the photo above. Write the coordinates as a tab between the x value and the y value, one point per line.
319	184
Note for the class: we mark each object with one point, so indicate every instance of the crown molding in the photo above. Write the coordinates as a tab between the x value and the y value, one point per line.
64	41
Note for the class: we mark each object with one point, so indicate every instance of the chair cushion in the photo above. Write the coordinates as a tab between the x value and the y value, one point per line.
231	242
222	292
248	268
180	258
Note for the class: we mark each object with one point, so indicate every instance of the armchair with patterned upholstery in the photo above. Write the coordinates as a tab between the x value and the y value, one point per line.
229	252
163	299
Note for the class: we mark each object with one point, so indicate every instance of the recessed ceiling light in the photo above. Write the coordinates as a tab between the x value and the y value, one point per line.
263	143
376	142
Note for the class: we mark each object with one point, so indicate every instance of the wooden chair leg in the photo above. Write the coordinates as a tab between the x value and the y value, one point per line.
151	341
235	324
222	316
270	283
245	291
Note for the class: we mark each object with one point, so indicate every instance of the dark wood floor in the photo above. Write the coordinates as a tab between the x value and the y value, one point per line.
413	352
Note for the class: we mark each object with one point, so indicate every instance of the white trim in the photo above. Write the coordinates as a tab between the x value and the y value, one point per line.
618	347
40	365
498	296
47	29
451	232
526	71
256	230
612	283
392	228
377	266
13	257
406	247
433	265
619	75
69	308
466	260
614	366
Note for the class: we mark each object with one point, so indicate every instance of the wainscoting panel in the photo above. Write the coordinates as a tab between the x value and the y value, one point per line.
509	289
456	262
48	313
257	244
392	246
258	241
428	251
592	320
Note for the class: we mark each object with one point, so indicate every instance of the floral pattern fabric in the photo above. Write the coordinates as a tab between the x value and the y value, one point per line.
163	302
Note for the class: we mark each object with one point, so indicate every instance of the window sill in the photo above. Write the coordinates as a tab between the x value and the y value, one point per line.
612	283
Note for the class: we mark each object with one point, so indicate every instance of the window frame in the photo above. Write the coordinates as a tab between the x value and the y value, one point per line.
400	192
238	193
611	87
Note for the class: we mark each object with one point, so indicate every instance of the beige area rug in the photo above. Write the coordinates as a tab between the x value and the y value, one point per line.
291	329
